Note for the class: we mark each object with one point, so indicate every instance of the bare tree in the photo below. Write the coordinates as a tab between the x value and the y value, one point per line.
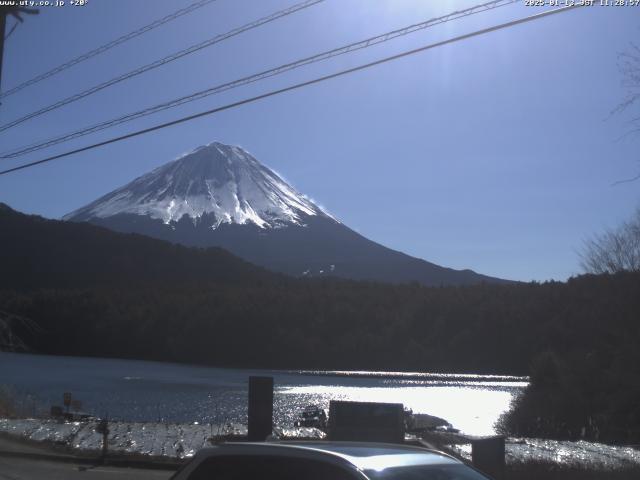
615	250
629	65
9	341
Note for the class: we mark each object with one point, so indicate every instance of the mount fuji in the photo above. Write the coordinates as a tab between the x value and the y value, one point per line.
220	195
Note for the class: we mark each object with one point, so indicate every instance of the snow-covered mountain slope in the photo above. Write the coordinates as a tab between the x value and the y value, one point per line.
219	195
223	182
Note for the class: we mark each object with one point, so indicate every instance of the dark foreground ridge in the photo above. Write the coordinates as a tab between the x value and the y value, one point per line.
41	253
76	289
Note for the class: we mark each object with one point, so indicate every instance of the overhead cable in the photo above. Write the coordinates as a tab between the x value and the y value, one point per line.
106	46
296	86
385	37
163	61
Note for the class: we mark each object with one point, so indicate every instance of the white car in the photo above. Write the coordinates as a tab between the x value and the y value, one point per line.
323	461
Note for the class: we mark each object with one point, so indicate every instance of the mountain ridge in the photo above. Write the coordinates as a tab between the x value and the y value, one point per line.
220	195
217	179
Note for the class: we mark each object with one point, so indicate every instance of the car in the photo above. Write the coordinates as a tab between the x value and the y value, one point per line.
312	416
323	461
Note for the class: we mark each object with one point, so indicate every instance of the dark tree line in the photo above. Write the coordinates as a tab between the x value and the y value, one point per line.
340	324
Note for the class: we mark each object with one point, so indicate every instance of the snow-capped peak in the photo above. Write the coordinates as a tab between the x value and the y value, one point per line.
222	181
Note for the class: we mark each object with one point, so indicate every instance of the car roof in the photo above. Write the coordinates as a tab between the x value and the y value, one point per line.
362	455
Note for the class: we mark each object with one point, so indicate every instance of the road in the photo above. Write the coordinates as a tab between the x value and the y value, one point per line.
14	468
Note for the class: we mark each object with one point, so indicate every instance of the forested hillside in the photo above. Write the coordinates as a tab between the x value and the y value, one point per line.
39	253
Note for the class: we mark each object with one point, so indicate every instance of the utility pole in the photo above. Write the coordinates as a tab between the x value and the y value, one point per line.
3	22
15	12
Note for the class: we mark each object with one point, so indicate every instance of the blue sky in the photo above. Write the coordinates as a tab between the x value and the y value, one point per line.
497	153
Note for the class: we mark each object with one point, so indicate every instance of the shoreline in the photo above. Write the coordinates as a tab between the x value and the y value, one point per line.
427	376
174	442
392	375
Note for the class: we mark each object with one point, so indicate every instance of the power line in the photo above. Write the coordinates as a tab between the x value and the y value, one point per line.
257	77
107	46
163	61
297	86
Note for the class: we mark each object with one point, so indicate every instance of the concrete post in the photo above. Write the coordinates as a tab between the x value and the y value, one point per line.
260	408
488	456
103	429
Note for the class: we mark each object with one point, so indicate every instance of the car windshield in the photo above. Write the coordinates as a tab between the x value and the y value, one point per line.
426	472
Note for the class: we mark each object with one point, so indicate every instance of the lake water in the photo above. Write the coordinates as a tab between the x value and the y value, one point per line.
142	391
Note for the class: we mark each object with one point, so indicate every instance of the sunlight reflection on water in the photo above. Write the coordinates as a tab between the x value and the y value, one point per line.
472	410
138	391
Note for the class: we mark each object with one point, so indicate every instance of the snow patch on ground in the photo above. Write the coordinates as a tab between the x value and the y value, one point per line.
155	439
579	453
184	440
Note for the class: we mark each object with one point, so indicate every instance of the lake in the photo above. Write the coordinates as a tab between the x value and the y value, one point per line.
144	391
